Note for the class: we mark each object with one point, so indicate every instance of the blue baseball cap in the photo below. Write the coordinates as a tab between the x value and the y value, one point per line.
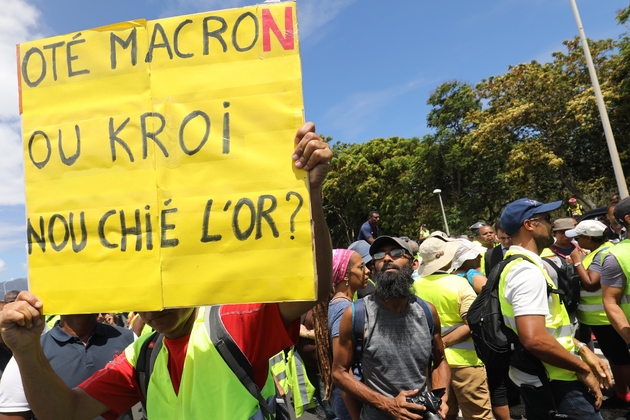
363	248
522	209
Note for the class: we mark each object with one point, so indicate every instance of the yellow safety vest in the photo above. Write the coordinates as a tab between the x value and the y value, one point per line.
557	323
279	370
442	290
621	251
301	389
51	320
208	389
590	309
547	253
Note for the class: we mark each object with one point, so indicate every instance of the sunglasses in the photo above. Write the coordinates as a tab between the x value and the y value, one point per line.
547	218
394	253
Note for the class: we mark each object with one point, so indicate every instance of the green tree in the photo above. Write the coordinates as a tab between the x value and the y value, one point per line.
378	174
471	178
546	116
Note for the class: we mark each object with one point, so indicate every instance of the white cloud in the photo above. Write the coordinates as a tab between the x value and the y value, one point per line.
13	236
19	23
314	15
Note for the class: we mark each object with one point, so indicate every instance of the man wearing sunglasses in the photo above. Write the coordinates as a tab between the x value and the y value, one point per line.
542	322
398	345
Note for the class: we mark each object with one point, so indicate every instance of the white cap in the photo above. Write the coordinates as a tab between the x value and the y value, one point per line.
466	251
587	228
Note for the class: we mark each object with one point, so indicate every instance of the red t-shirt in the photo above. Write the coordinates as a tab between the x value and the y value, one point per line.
256	328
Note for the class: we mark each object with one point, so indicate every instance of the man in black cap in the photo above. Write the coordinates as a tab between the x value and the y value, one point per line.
565	384
397	340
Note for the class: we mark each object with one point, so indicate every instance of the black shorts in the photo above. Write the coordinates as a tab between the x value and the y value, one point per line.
497	383
612	345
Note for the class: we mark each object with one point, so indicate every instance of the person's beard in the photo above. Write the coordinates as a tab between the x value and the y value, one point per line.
393	285
543	241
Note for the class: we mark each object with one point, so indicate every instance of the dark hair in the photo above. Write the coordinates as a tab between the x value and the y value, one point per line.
498	226
372	212
601	239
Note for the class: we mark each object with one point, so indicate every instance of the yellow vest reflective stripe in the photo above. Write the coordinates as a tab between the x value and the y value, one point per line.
590	309
301	388
442	290
208	385
279	370
621	251
557	323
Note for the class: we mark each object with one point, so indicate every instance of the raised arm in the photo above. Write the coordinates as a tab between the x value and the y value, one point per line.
313	155
21	324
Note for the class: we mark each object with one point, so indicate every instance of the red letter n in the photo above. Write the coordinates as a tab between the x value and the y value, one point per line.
268	23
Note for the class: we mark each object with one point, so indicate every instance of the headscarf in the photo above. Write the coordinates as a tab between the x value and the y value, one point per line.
341	259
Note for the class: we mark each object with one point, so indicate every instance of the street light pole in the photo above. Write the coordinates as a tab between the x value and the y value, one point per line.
610	140
438	192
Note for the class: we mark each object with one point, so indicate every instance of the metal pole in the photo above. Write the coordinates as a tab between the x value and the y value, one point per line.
444	214
612	147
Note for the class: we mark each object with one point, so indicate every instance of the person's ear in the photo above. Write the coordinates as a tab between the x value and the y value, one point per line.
415	264
529	225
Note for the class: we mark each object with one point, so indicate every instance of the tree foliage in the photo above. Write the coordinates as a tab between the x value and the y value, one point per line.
534	131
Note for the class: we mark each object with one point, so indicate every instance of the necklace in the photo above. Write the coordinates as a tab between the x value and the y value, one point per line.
341	297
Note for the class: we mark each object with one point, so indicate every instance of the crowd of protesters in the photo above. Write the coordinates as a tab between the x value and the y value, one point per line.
387	337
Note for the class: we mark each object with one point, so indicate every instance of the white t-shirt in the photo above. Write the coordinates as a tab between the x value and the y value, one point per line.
12	398
526	291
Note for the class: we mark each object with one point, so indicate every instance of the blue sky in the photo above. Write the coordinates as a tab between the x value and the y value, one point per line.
368	66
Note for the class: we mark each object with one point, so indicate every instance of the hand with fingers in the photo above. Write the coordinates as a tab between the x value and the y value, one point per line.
312	154
592	384
400	408
22	323
598	367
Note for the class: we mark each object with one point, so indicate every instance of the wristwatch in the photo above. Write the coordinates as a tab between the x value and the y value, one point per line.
578	347
576	265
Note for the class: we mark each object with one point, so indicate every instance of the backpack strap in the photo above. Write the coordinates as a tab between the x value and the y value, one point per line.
427	313
146	360
358	327
233	356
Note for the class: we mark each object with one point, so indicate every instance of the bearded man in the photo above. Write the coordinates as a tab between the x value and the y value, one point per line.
572	385
398	345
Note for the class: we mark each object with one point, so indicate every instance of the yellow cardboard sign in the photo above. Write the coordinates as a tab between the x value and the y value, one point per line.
158	163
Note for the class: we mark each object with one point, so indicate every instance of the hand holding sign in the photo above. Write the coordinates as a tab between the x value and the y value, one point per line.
312	154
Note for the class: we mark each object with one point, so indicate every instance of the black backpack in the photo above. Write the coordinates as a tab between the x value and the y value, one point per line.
496	344
229	351
568	285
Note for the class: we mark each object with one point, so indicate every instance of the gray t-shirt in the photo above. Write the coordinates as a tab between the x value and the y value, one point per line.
612	274
396	352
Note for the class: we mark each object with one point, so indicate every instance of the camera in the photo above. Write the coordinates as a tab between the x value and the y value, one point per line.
431	400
